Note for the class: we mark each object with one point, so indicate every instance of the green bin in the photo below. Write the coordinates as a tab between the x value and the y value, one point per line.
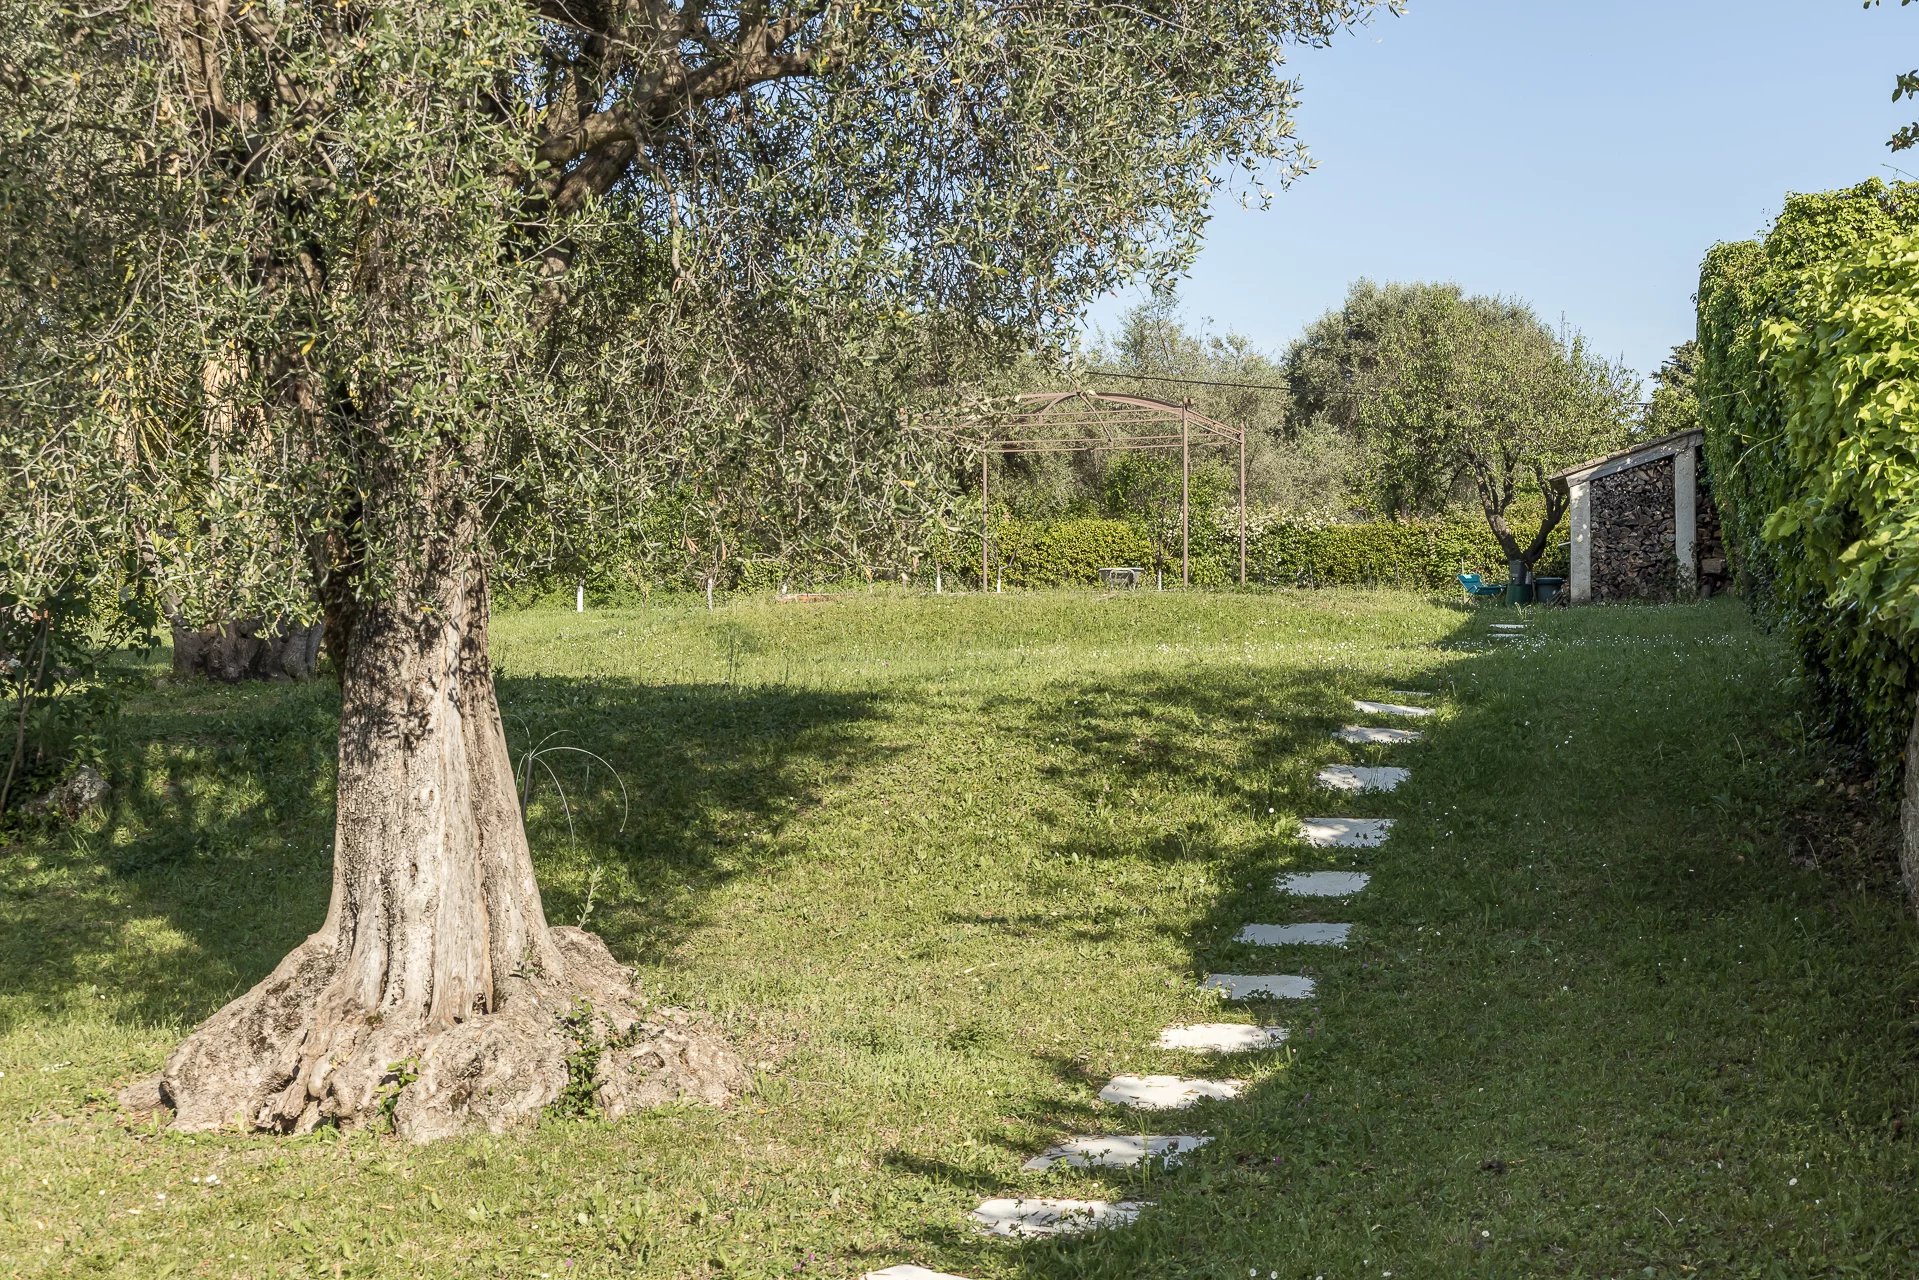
1546	590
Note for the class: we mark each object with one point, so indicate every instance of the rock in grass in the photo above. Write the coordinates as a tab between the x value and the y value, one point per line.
1168	1093
1221	1037
1113	1152
1028	1219
1345	833
1294	935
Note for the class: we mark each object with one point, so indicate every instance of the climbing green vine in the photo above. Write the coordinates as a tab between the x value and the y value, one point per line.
1809	381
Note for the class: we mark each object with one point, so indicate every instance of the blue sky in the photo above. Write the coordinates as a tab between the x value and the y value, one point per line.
1582	156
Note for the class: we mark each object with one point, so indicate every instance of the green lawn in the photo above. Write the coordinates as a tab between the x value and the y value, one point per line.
1633	995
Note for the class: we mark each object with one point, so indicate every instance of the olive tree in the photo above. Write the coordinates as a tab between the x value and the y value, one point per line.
1441	394
327	308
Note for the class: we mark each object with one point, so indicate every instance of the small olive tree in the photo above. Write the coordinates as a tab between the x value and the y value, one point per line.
1441	393
351	302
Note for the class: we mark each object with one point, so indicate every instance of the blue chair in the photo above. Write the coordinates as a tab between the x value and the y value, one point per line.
1480	590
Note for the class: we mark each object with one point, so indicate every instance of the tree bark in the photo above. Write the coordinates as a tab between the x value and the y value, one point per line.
435	994
250	649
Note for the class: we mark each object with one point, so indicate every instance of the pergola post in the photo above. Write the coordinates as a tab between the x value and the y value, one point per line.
985	577
1242	506
1185	496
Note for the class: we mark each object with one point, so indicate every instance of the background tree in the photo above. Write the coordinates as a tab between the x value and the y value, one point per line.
350	302
1675	399
1904	87
1441	391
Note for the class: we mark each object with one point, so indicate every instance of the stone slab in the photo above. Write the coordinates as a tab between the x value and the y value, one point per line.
1369	736
1509	626
907	1271
1260	986
1345	833
1354	779
1167	1093
1113	1152
1295	935
1030	1219
1322	884
1222	1037
1389	708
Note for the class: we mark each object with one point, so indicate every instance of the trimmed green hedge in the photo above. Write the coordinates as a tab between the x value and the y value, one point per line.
1280	551
1069	552
1809	385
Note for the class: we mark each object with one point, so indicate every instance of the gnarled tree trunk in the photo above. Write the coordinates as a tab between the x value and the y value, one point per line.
435	993
250	649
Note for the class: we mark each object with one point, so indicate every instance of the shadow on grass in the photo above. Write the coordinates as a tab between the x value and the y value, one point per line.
1597	997
216	859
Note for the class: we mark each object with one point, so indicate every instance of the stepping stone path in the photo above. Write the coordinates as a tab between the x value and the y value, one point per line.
1390	709
1168	1093
1021	1218
1322	884
1370	736
1222	1037
1113	1152
1345	833
1253	986
1029	1219
1357	778
1295	935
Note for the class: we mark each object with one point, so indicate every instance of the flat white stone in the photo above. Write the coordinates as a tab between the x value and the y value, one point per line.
1509	626
1345	833
1509	635
1248	986
1295	935
1168	1093
1322	884
907	1271
1116	1152
1368	735
1356	778
1222	1037
1026	1219
1389	708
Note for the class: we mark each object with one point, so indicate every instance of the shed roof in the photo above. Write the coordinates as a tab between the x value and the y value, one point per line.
1633	455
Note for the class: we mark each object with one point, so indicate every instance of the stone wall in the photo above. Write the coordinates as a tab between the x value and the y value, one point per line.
1632	534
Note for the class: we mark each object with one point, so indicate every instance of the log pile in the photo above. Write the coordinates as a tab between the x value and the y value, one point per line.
1632	534
1715	574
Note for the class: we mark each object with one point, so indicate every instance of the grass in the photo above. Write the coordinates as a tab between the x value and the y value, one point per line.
1620	1005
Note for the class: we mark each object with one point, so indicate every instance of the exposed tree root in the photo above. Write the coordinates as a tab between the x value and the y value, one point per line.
294	1054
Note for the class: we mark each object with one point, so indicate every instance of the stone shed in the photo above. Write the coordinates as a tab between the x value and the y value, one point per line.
1644	526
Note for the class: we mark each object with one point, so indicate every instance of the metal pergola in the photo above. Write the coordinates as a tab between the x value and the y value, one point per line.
1074	421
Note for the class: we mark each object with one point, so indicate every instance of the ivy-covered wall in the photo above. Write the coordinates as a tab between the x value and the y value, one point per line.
1809	386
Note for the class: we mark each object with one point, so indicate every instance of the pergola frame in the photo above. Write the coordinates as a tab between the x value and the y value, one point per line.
1075	421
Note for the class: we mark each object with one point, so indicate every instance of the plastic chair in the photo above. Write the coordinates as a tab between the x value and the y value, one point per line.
1476	589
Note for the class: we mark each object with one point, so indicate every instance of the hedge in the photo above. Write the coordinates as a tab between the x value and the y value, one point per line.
1809	383
1280	551
1283	551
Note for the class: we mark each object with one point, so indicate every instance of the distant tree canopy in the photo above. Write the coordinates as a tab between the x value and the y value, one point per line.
1439	391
